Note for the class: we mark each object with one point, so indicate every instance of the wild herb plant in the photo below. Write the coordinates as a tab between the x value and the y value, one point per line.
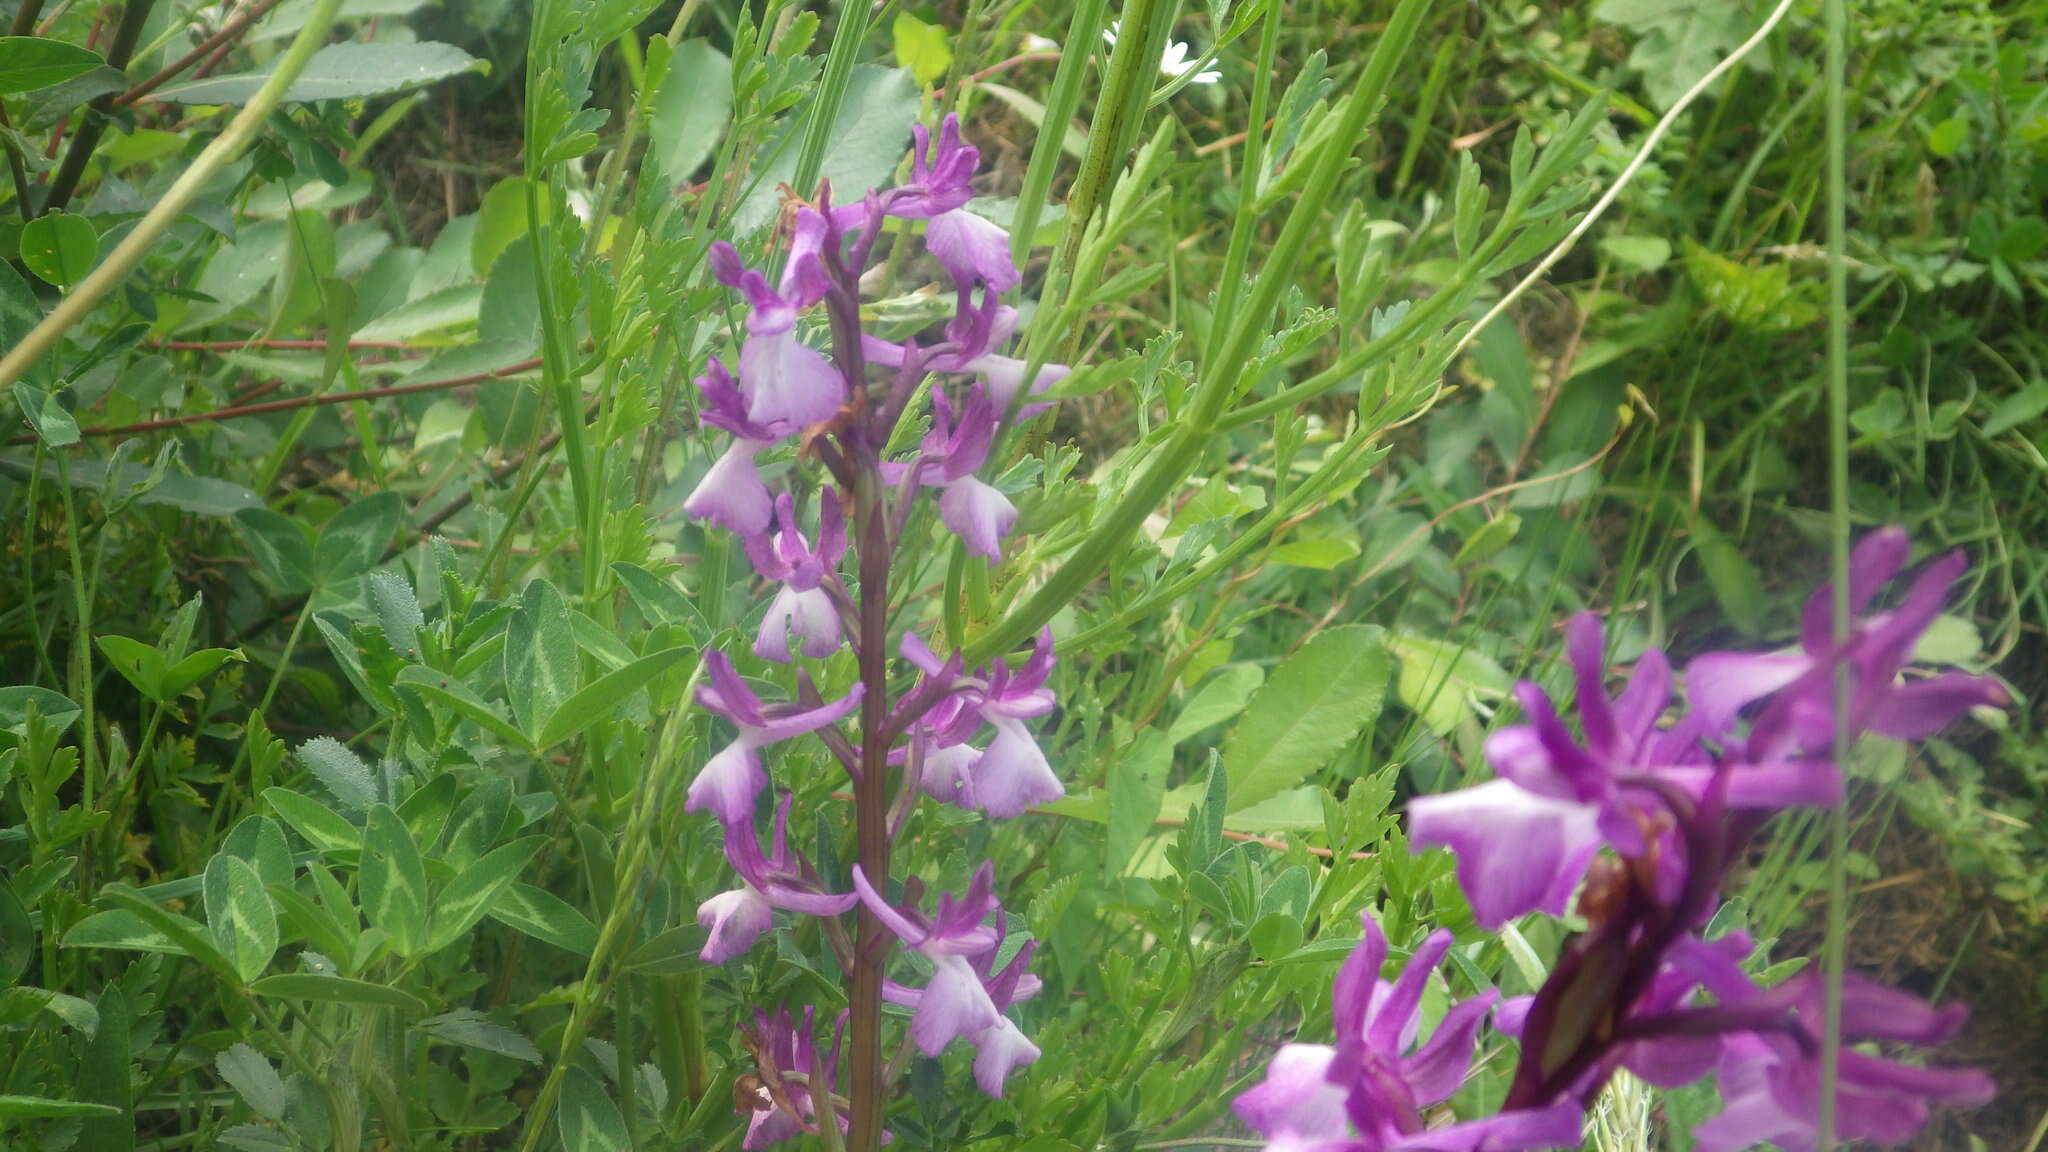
585	621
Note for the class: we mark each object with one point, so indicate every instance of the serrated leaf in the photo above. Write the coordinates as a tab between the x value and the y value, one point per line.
393	881
253	1078
1313	704
472	1029
398	612
341	771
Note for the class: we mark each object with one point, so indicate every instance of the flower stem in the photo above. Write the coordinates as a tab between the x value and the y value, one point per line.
870	803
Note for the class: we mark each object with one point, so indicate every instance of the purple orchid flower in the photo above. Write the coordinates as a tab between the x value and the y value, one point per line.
784	380
1012	773
779	879
1002	1047
781	1100
802	606
973	509
730	781
731	493
1524	840
954	1003
1771	1084
968	246
1366	1094
971	337
1800	714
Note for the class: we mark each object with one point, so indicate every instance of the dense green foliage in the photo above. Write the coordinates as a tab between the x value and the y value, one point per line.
348	615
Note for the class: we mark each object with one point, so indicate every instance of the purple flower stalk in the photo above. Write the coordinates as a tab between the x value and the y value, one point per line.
1642	815
913	714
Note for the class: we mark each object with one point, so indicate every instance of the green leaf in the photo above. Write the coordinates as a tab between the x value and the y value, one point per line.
31	62
540	657
1222	697
283	554
1677	41
45	413
337	990
393	881
1321	552
598	700
867	140
340	72
1440	682
500	220
55	708
20	312
1948	137
1136	782
398	612
341	771
922	48
1275	935
2017	409
691	109
588	1119
454	307
472	1029
188	936
253	1078
1314	703
258	841
138	663
122	931
1737	586
319	825
17	936
437	688
354	540
44	1108
469	896
186	673
240	915
1636	253
59	247
545	917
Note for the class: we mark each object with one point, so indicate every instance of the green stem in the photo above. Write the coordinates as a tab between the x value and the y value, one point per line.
823	114
79	302
1838	524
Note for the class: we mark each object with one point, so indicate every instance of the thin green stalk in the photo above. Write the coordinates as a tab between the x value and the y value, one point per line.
81	299
1252	167
828	95
1180	454
81	645
1060	103
1838	525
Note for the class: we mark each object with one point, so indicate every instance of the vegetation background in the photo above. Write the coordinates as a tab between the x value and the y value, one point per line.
295	852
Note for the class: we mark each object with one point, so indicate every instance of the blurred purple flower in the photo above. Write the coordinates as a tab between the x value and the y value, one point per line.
1367	1093
1799	715
802	606
731	780
779	879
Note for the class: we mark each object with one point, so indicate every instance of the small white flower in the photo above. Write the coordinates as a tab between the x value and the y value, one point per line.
1033	42
1173	62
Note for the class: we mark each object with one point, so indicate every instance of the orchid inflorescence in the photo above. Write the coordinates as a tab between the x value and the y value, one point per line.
843	419
1643	817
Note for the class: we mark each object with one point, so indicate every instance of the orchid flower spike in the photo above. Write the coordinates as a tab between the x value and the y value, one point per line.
730	781
802	606
778	879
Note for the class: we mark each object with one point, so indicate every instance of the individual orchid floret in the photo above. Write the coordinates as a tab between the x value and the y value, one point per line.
971	339
1002	1047
783	380
777	879
940	173
802	606
1012	774
954	449
780	1099
731	494
1367	1093
1770	1078
730	781
1800	684
1524	839
971	249
954	1003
